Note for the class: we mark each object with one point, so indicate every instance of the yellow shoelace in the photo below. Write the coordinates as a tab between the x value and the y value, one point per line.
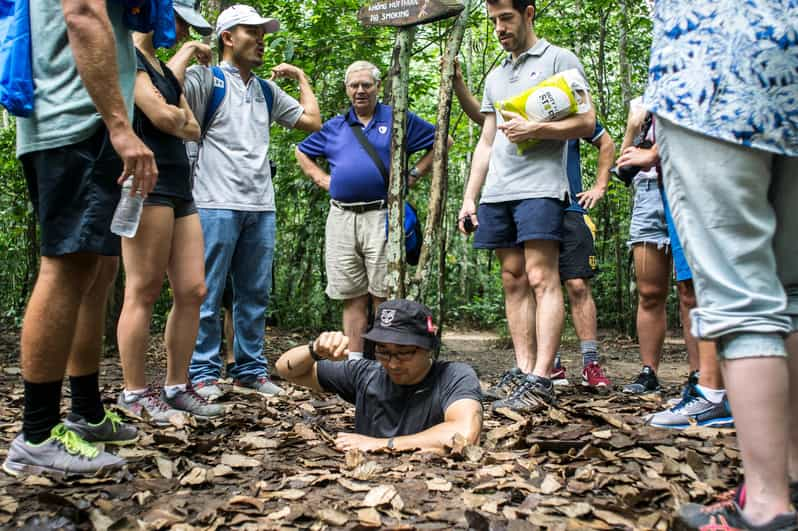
73	443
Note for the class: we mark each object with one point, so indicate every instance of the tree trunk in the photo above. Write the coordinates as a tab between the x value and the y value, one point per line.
437	200
396	190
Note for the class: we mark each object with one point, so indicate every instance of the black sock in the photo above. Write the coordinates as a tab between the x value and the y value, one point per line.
86	400
42	410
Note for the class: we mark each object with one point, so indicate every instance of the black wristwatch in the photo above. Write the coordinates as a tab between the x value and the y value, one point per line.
313	352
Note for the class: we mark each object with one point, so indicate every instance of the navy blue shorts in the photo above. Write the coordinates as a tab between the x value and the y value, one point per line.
74	194
511	223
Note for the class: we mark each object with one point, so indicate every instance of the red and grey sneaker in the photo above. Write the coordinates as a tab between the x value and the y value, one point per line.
594	378
558	376
727	516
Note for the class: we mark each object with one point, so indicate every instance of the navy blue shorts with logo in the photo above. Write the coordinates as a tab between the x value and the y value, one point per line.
74	194
511	223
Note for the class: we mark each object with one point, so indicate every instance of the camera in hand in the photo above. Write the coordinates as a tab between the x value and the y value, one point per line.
468	225
627	173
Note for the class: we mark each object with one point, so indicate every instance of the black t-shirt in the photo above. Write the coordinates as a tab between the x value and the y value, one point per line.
385	409
170	152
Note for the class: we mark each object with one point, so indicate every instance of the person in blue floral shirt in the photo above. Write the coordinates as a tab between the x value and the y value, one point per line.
723	82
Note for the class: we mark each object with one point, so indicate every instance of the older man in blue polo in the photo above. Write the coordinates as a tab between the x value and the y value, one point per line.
404	399
357	146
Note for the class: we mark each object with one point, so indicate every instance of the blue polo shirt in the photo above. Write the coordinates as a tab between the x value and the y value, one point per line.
574	167
353	175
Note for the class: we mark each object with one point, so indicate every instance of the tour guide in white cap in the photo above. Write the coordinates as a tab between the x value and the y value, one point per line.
404	399
234	193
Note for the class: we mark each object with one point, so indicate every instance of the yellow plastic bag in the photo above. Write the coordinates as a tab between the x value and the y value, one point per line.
560	96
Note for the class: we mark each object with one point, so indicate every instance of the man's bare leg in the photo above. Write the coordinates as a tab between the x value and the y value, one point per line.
792	350
686	303
519	307
356	321
542	271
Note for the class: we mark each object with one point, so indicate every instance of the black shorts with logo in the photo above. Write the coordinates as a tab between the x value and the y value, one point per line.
74	194
577	251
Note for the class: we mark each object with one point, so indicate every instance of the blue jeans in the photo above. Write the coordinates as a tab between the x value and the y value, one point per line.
242	244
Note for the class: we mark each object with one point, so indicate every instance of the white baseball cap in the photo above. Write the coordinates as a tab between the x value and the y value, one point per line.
242	14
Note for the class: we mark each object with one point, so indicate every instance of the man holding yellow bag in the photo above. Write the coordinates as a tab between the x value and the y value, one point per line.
526	187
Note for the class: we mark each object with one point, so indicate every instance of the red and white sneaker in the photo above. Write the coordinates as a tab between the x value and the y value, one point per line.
558	376
594	377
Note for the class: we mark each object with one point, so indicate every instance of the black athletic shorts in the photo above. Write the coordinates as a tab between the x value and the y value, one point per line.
74	194
577	251
182	207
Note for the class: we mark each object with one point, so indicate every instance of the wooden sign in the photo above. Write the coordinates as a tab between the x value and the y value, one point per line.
401	13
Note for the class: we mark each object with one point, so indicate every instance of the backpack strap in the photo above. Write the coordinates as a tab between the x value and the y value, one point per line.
217	96
268	93
357	130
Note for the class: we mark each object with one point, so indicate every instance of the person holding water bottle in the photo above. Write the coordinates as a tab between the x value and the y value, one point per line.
166	239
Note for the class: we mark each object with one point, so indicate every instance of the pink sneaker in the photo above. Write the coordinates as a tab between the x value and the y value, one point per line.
593	377
558	376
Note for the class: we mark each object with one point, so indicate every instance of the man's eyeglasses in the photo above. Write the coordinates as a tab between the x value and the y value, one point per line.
401	356
365	85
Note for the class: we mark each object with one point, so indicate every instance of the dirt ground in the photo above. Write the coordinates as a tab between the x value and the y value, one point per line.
586	463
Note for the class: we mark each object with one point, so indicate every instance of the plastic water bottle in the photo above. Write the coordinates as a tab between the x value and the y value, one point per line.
128	211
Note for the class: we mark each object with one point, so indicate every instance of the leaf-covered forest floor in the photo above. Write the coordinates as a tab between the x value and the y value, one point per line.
587	463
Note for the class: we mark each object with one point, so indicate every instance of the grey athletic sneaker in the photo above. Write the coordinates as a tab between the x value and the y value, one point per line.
110	430
63	454
694	410
191	402
148	406
262	386
209	390
505	386
532	394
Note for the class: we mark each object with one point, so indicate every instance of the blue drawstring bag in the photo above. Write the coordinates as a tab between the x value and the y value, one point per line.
16	71
157	16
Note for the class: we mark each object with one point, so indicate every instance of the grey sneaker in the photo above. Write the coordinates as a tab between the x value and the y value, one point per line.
262	386
63	454
110	430
191	402
148	406
532	394
209	390
505	386
694	410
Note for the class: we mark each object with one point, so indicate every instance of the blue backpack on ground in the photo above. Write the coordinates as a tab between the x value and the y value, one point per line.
16	69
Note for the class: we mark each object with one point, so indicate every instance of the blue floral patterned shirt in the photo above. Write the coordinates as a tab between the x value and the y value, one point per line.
728	69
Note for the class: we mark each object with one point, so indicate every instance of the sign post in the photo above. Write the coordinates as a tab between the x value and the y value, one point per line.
404	15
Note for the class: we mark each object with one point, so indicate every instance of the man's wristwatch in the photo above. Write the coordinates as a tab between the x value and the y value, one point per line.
313	352
390	444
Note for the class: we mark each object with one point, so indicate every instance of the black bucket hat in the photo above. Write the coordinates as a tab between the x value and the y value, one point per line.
403	322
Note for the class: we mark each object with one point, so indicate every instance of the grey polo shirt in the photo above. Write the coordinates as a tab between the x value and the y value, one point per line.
540	171
63	112
232	171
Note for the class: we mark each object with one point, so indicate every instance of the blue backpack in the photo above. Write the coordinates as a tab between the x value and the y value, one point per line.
16	71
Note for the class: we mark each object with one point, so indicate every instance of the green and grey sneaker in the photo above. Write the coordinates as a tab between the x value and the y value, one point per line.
148	406
63	454
262	386
189	401
110	430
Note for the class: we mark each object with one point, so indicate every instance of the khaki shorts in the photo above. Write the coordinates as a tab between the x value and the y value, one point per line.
355	253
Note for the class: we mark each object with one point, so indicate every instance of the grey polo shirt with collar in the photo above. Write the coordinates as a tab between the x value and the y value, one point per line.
540	171
232	170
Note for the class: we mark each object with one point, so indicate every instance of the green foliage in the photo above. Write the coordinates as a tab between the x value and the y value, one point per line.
323	37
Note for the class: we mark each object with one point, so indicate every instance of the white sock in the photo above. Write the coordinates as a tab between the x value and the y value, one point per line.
355	356
172	390
713	395
131	394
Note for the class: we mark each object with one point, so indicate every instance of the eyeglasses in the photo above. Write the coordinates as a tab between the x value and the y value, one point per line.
364	85
401	356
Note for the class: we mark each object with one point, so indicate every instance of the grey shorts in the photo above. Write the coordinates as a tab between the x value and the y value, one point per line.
734	209
648	223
